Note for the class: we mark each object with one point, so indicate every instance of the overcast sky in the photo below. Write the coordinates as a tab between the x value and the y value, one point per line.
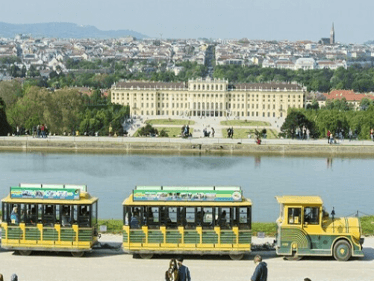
254	19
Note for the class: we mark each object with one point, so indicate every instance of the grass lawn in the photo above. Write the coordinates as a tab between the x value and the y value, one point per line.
169	122
244	123
173	132
243	133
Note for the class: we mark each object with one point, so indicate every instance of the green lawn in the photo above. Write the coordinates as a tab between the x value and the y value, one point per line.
243	133
169	122
173	132
244	123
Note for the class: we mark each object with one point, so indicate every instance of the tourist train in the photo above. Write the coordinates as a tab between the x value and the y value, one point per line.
205	220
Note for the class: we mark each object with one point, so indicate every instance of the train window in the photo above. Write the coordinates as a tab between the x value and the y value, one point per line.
208	221
153	217
190	217
23	213
126	216
294	215
199	216
135	221
74	219
14	215
66	215
224	218
84	215
94	214
244	218
48	215
4	212
311	215
172	220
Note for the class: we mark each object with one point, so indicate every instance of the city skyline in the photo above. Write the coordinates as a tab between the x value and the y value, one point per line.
263	20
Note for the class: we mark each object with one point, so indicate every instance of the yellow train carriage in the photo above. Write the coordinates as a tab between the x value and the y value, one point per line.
43	217
187	220
306	229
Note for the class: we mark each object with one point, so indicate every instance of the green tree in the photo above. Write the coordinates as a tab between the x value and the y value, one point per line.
4	125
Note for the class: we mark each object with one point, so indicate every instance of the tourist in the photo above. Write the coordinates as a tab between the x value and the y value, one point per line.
261	271
183	271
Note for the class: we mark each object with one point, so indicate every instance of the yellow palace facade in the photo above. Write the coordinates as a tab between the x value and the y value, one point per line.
208	97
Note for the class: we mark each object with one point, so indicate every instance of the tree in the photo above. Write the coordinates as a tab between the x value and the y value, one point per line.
297	120
4	125
10	92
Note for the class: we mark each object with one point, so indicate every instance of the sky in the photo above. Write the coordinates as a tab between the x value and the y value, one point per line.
253	19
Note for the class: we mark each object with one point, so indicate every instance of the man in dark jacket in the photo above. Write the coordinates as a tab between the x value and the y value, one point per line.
183	271
261	271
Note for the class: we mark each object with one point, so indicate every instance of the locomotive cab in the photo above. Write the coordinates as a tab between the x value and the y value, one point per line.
306	229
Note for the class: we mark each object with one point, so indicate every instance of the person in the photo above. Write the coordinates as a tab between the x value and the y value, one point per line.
350	134
134	223
14	216
223	221
307	279
65	218
372	134
328	136
261	271
42	129
331	138
232	132
183	271
14	277
1	277
213	132
258	141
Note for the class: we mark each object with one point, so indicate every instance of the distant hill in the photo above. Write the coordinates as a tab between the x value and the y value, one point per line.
63	30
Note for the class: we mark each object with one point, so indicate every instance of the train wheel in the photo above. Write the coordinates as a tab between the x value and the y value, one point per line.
294	257
25	252
146	256
342	251
77	254
236	257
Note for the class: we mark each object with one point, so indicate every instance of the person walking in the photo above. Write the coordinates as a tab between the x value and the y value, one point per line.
183	271
213	132
261	271
328	136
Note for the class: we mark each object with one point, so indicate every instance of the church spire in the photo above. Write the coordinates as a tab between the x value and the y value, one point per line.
332	35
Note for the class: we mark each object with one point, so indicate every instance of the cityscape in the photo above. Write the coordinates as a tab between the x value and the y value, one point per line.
183	141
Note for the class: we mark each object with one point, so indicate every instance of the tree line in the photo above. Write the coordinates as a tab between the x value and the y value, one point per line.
62	111
337	116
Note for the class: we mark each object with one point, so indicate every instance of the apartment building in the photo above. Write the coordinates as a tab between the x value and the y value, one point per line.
208	97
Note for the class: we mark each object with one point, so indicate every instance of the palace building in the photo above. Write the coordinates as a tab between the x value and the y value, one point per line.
208	97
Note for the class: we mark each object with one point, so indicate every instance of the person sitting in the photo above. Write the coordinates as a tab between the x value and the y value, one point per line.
14	216
65	219
134	223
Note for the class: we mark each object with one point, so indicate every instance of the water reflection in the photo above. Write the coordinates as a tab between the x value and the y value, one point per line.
329	162
257	161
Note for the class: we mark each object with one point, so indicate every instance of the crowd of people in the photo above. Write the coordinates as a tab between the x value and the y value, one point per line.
177	271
